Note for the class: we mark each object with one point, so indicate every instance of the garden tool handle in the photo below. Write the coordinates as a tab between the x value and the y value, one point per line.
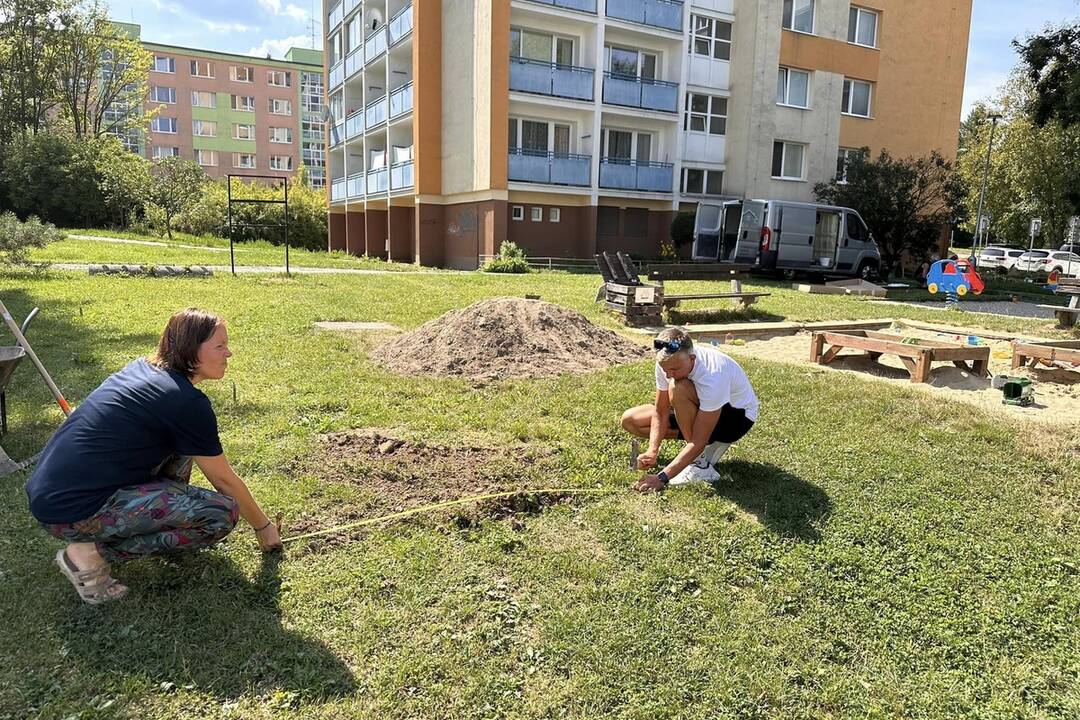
21	339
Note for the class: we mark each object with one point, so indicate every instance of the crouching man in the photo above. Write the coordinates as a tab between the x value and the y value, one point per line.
703	397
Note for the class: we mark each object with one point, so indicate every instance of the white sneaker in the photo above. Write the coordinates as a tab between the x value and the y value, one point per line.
701	470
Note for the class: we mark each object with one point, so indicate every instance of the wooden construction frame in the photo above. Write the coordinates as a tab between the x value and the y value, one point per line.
916	358
1033	354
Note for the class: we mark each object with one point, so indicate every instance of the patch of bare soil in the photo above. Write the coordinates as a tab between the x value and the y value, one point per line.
508	338
397	474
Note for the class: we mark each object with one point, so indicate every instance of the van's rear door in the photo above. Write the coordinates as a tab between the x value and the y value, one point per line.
750	224
707	232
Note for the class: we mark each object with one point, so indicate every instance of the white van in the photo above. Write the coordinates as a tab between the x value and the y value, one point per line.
786	236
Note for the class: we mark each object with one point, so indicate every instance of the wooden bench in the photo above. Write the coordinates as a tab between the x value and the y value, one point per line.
1066	316
743	300
624	293
917	357
705	271
1047	353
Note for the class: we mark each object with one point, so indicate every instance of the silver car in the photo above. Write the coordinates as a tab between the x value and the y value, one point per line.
1048	261
998	257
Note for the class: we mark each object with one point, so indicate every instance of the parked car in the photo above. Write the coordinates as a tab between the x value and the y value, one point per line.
1048	261
999	257
778	235
1070	247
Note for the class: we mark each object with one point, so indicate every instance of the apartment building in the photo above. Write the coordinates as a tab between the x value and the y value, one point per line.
236	114
576	126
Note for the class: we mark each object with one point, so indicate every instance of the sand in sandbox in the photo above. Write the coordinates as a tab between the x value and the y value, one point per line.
507	338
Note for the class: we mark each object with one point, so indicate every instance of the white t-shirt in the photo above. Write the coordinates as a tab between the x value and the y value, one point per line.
719	381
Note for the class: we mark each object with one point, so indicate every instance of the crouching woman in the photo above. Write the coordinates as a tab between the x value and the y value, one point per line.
114	481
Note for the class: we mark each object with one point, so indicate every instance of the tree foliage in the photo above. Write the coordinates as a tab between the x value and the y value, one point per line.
17	238
29	59
905	202
1051	63
175	185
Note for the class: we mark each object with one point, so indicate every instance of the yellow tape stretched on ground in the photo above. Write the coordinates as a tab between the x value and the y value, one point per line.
450	503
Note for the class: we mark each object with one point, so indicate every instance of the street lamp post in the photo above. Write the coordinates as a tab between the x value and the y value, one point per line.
994	117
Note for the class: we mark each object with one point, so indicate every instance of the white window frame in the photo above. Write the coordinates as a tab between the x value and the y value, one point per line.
200	125
249	129
249	71
288	135
554	214
174	123
859	12
212	154
704	29
156	154
608	47
845	153
706	173
272	104
288	161
849	85
517	213
239	107
195	99
286	76
552	124
172	94
536	213
813	16
605	143
171	64
236	161
708	116
555	38
786	73
783	161
194	67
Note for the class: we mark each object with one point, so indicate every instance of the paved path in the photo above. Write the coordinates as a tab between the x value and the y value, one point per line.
151	243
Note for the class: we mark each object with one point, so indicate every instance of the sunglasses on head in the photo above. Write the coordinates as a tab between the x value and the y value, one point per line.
672	346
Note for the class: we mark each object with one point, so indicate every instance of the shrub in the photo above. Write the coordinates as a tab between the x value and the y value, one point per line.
682	229
16	238
511	259
53	177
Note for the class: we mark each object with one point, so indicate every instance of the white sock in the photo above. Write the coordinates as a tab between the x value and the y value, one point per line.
715	451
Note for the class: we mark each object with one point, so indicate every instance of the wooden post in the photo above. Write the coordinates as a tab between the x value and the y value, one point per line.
817	345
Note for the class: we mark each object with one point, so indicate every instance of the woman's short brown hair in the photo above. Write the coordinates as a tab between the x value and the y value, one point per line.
178	348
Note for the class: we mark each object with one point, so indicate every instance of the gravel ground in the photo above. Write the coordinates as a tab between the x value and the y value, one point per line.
1021	309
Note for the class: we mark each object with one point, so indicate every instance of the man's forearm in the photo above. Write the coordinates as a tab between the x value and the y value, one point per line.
684	458
658	430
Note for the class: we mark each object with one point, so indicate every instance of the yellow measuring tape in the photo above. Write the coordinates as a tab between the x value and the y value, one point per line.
447	504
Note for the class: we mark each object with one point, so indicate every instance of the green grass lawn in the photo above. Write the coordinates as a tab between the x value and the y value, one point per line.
875	552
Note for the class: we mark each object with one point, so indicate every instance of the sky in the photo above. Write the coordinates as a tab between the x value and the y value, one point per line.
258	27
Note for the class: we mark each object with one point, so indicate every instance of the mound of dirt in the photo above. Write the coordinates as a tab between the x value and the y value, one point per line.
507	338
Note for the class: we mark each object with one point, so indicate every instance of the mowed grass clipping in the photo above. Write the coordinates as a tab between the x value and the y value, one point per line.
873	552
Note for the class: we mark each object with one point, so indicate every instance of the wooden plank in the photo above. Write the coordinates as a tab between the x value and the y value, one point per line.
717	296
829	356
911	365
873	344
816	346
1062	352
922	372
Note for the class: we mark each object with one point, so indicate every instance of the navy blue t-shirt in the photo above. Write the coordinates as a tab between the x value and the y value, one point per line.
117	437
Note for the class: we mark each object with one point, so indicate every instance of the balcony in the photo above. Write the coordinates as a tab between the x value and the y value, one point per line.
337	133
337	190
536	166
400	25
353	62
588	6
337	74
401	100
335	16
351	5
401	175
544	78
626	174
377	181
355	186
375	113
375	44
354	125
635	92
666	14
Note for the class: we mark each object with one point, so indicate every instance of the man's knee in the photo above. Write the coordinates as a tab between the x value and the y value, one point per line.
684	392
629	420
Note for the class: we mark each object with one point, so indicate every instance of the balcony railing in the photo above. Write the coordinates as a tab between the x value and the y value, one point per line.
337	74
355	187
335	16
401	175
353	62
549	168
401	24
626	174
375	44
545	78
337	133
377	181
643	93
375	113
401	100
667	14
337	190
588	6
354	125
351	5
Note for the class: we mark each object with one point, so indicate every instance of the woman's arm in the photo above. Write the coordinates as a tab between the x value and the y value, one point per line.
225	480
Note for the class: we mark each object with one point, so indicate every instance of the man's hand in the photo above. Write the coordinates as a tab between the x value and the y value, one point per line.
647	459
269	538
649	483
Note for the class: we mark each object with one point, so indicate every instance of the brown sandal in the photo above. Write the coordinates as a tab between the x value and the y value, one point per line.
94	586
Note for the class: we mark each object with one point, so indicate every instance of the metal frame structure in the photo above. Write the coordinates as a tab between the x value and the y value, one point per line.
253	201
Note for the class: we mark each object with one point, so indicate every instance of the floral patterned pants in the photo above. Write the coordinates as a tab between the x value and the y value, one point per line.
166	515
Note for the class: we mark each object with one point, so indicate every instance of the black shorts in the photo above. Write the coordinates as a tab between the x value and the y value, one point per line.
730	427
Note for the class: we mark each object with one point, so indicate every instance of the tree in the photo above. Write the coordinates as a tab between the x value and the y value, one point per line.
29	32
122	179
1051	62
906	203
53	176
175	184
17	238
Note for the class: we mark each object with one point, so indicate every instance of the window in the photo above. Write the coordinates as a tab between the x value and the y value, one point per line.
787	163
280	107
279	78
206	158
311	92
793	88
164	64
856	98
280	135
243	160
702	182
243	132
202	68
539	137
711	38
281	162
799	15
163	124
862	27
163	95
517	212
625	147
843	161
630	63
554	214
536	214
159	152
541	47
315	156
203	99
242	73
353	33
204	128
245	103
855	228
706	113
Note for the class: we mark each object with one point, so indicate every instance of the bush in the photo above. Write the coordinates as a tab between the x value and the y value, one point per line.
511	259
16	238
53	177
682	229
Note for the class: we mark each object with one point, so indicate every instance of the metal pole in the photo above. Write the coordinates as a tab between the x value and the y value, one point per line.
287	226
232	252
986	173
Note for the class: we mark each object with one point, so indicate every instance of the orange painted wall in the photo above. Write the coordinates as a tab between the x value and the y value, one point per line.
427	88
500	93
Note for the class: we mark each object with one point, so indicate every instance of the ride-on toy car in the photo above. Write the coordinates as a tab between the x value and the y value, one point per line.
954	276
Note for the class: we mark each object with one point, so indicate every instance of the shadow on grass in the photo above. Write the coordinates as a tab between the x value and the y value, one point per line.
784	503
199	622
718	316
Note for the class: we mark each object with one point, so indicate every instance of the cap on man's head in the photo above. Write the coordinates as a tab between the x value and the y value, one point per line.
672	342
